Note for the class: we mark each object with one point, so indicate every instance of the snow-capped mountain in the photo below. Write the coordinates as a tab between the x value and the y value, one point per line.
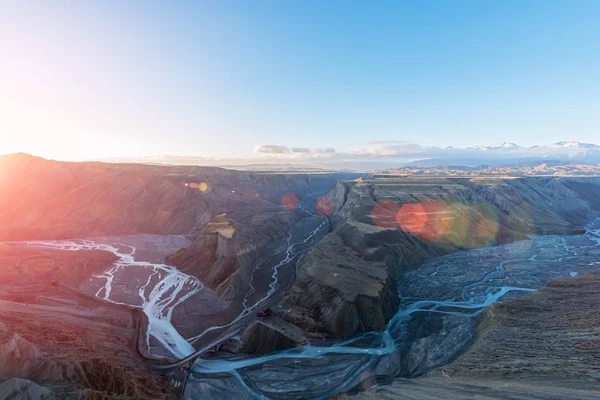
503	146
510	153
558	145
574	145
397	153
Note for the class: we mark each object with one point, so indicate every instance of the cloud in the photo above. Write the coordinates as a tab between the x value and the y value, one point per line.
294	151
390	149
300	150
272	149
327	150
385	142
398	153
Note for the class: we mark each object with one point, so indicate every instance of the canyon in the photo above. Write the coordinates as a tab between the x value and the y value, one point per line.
366	278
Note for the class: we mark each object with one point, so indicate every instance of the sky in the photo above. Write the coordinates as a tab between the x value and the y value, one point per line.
94	80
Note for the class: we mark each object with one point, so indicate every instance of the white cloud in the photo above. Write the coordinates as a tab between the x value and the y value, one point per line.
402	153
272	149
294	151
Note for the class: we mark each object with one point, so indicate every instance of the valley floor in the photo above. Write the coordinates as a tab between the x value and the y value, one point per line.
533	388
542	346
66	340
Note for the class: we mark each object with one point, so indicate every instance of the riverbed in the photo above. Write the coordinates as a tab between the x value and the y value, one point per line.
435	323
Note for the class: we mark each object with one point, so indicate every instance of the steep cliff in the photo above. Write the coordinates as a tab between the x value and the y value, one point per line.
347	283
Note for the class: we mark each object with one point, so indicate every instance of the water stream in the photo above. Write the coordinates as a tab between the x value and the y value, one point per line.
163	289
457	287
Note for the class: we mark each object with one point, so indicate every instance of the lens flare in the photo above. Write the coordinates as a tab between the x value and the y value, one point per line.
193	185
289	201
203	186
324	206
411	217
439	221
459	234
384	214
487	226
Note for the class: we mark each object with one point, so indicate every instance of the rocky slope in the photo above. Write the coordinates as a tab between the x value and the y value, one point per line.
16	388
541	346
44	199
71	343
342	283
88	344
346	284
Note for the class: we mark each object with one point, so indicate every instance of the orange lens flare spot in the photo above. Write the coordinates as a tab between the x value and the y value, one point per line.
412	217
289	201
324	206
203	186
487	229
487	226
439	221
193	185
384	214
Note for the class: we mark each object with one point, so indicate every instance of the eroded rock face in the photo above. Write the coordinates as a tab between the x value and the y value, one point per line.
339	293
25	389
346	284
215	253
433	350
17	355
552	332
271	334
543	345
19	348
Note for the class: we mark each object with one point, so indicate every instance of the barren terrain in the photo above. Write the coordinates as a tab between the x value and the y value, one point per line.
133	271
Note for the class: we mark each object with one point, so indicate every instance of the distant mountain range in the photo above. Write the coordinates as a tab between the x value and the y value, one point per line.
510	154
380	156
502	146
557	145
543	168
576	145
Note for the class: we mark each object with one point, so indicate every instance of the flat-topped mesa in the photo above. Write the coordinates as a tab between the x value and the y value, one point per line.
211	256
346	284
220	226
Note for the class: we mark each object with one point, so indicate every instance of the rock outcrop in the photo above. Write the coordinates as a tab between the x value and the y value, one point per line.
25	389
340	293
346	284
544	345
18	355
271	334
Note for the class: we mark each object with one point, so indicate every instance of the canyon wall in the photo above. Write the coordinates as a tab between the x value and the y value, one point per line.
347	283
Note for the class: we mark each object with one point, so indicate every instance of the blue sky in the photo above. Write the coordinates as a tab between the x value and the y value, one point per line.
218	78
